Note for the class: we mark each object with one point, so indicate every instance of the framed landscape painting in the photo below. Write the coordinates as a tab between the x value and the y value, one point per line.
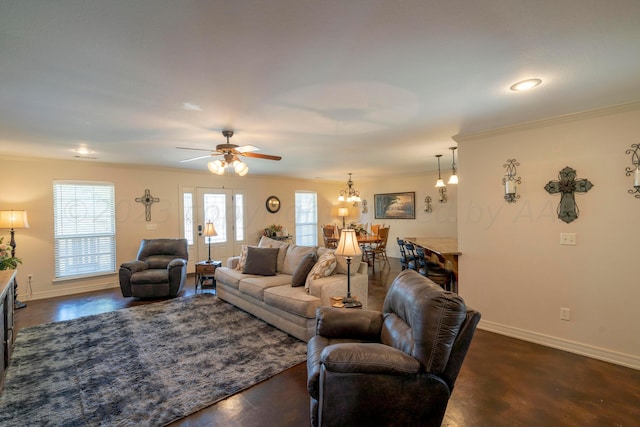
395	205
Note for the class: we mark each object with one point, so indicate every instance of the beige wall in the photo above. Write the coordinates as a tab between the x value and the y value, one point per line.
30	182
513	268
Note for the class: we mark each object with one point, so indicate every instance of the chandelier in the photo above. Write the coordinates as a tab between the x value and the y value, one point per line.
349	194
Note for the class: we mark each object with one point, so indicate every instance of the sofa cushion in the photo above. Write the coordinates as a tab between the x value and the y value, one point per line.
261	261
266	242
301	273
294	257
324	267
293	300
255	285
230	277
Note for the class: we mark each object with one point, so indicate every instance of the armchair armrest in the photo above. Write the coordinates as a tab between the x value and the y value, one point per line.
349	323
368	358
177	262
135	266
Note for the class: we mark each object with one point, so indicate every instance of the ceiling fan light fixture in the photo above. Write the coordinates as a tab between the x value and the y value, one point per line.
525	85
215	167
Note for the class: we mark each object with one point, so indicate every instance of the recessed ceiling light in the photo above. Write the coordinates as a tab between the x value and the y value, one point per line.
525	85
82	150
191	107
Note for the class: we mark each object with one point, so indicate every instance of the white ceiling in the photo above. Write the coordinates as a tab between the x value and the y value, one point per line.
373	87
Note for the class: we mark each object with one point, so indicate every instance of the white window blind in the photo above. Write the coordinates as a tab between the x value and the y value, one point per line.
84	228
306	218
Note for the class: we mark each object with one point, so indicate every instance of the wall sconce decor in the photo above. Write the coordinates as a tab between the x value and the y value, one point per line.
442	189
509	181
365	207
635	170
427	204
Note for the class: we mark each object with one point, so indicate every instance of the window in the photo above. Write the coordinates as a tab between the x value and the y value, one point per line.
239	217
306	218
84	228
187	200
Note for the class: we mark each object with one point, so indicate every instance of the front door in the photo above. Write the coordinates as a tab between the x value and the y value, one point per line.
216	205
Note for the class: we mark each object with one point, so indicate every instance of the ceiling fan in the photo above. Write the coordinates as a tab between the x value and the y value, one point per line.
230	156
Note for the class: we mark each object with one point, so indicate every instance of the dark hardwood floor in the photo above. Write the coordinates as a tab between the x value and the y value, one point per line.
503	382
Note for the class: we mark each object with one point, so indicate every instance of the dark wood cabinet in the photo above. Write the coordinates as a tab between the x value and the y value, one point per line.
7	278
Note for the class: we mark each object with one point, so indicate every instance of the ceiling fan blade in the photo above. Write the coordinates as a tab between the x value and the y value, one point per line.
246	148
196	158
261	156
197	149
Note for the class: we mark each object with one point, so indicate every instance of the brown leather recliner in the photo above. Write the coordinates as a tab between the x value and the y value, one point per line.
395	368
160	269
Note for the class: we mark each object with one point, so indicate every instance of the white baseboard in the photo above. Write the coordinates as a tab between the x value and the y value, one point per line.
627	360
69	291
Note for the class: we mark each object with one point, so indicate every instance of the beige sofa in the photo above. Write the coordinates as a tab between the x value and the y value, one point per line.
273	298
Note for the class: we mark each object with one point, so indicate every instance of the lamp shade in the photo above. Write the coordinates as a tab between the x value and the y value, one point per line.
13	219
343	212
348	244
210	230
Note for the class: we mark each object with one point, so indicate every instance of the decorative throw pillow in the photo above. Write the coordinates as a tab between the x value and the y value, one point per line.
324	267
301	273
266	242
261	261
243	258
294	257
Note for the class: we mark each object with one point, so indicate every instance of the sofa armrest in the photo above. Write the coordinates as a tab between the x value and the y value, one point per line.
233	261
368	358
349	323
135	266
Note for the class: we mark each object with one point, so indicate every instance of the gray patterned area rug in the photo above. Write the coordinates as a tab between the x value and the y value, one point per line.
143	366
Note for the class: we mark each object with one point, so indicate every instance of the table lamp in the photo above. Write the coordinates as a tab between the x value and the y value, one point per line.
14	219
209	231
348	247
343	212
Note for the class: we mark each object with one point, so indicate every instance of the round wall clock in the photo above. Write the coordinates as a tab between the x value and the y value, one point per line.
273	204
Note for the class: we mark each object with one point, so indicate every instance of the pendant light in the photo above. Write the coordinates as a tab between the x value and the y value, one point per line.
439	182
453	179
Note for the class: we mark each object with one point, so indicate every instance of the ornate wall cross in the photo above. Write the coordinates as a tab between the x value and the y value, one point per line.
567	185
147	200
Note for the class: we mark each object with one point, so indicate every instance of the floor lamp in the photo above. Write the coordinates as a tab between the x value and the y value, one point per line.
12	220
209	231
343	212
348	247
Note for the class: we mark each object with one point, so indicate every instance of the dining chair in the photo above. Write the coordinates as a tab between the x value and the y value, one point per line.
434	271
379	250
328	235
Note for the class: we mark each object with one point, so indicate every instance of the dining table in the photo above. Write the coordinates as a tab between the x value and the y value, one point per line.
444	248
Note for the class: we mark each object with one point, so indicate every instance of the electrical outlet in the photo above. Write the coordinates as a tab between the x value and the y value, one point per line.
565	314
568	239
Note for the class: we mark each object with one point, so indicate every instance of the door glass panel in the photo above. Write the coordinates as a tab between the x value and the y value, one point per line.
215	208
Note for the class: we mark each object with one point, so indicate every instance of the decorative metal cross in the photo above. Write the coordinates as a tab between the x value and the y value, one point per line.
567	184
147	200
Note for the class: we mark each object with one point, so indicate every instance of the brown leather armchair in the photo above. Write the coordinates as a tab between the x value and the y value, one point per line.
160	269
392	368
